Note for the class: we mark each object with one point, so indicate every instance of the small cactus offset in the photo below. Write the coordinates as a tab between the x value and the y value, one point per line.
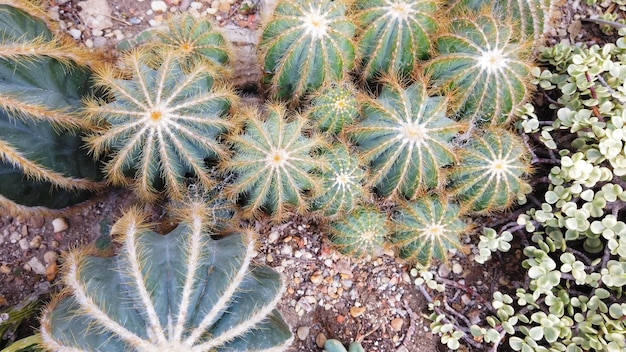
343	187
360	233
43	79
273	163
427	229
489	174
161	125
184	291
308	43
395	35
486	72
334	107
333	345
405	136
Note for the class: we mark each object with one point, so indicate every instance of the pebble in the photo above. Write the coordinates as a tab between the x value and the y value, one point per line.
158	6
397	323
303	332
134	21
97	33
320	340
14	237
99	42
89	43
4	269
357	311
51	271
213	11
75	33
36	266
118	35
96	14
23	244
37	221
50	257
59	224
317	278
457	268
35	242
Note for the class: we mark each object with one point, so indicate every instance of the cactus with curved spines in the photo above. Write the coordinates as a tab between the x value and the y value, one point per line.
405	136
334	107
489	175
308	43
184	291
273	161
343	182
362	232
43	79
486	72
395	35
427	228
161	124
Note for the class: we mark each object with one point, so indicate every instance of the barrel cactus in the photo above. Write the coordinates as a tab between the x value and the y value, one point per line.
334	107
43	80
273	163
362	232
395	34
490	173
484	69
306	44
161	124
184	291
405	136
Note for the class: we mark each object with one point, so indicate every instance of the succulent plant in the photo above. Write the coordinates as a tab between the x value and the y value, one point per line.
306	44
427	229
161	124
360	233
43	79
395	35
273	162
334	107
332	345
490	171
184	291
484	69
343	182
405	135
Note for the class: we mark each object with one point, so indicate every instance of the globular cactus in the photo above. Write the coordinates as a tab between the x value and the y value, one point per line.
395	35
161	124
43	79
489	175
405	136
427	229
360	233
273	162
484	69
308	43
184	291
334	107
343	182
332	345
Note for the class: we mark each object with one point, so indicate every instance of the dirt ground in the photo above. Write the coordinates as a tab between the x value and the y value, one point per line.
328	295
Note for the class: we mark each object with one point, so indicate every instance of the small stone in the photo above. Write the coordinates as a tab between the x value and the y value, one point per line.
89	43
23	244
59	224
397	323
357	311
51	271
75	33
269	258
37	221
37	266
4	269
14	237
340	319
134	21
96	14
224	7
99	42
402	349
457	268
35	242
443	271
97	33
195	5
320	340
213	11
50	257
303	332
118	35
158	6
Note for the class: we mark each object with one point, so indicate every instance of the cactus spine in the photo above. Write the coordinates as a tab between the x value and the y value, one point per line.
360	233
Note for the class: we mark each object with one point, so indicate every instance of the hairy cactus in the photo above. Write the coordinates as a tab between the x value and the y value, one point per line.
334	107
43	79
405	136
395	35
483	68
489	174
273	162
343	178
161	124
184	291
427	229
362	232
306	44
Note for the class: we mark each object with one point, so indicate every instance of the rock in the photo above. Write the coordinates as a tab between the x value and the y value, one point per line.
75	33
23	244
59	224
51	271
35	242
50	257
303	332
320	340
158	6
36	266
96	14
99	42
457	268
316	278
36	221
357	311
5	269
397	323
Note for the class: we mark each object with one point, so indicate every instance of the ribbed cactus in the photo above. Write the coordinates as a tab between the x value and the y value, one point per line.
427	229
334	107
362	232
184	291
306	44
489	174
405	136
43	79
479	63
161	124
273	162
343	187
395	34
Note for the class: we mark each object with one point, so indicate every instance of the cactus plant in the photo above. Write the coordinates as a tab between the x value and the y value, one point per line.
334	107
360	233
184	291
405	136
161	124
483	68
489	174
395	35
427	229
273	162
332	345
43	79
306	44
